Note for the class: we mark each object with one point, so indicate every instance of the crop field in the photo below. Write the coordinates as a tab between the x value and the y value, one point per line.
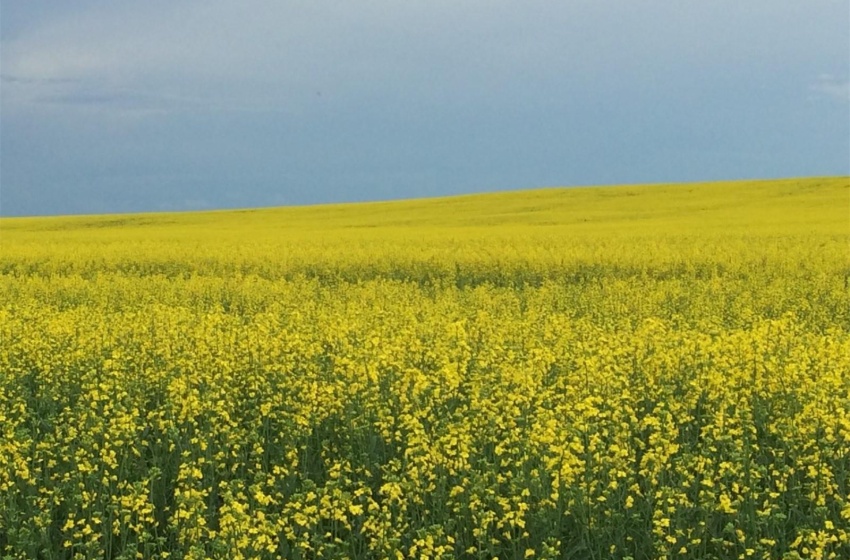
612	372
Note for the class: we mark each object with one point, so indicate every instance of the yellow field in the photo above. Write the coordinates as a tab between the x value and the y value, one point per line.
628	372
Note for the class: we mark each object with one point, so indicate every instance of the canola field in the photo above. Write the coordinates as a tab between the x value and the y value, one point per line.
612	372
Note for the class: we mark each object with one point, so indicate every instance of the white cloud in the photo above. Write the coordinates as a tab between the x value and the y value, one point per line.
191	54
270	55
275	55
831	86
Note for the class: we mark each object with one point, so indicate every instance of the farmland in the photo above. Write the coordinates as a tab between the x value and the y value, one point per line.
629	372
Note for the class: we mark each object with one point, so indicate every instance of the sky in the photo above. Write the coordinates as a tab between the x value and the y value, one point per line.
169	105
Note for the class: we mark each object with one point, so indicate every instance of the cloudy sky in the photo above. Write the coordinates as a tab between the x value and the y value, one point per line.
119	105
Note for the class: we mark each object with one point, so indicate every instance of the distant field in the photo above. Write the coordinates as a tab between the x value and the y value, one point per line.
629	372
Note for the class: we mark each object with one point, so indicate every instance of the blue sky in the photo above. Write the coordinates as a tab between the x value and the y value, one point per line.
120	106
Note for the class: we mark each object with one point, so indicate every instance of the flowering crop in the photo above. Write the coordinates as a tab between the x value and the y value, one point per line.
626	372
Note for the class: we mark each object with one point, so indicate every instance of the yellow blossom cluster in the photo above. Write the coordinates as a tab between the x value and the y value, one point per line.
629	372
